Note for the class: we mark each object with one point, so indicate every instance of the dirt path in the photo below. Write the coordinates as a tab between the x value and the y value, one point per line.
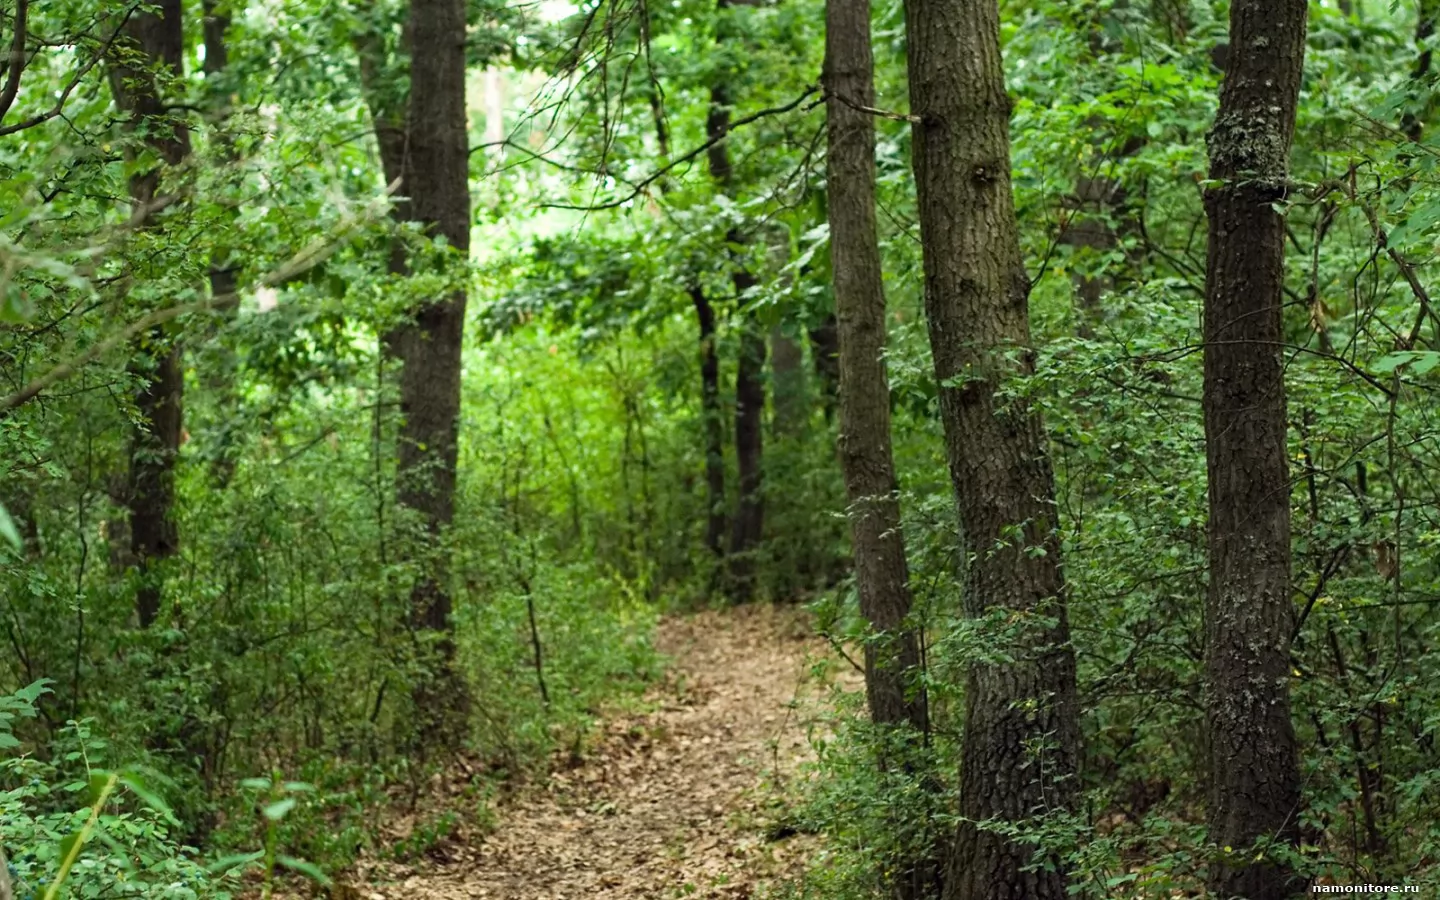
670	803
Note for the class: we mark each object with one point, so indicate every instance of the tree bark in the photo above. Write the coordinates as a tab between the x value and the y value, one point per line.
1254	775
713	421
154	39
825	350
436	178
747	528
423	140
220	377
882	578
1021	740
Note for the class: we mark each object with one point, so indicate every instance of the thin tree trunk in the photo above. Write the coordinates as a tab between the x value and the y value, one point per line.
1413	123
710	410
1254	774
748	525
155	361
882	577
788	387
1021	740
825	352
713	421
221	375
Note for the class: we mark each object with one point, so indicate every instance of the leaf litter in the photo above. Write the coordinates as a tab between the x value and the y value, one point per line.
676	801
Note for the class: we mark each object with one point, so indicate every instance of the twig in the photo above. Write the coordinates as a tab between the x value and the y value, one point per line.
664	170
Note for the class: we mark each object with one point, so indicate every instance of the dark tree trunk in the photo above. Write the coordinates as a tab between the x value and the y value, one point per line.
882	577
714	423
747	528
787	388
825	352
1414	121
423	140
158	38
436	178
1021	741
748	525
1254	776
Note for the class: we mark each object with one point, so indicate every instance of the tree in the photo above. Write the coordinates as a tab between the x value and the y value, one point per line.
882	578
747	527
1254	773
1021	740
424	145
149	58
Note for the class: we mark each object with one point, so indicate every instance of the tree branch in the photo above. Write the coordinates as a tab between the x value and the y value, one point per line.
666	169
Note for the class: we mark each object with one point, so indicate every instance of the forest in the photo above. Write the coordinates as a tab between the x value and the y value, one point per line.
790	449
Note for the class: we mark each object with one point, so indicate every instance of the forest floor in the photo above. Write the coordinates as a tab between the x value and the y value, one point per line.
679	800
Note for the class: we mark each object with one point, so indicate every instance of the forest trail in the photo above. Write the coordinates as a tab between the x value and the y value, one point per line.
666	803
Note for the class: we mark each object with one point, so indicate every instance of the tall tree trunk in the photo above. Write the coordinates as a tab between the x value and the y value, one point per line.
712	415
220	377
713	421
1021	741
436	178
882	576
157	37
422	136
1414	121
1254	776
748	525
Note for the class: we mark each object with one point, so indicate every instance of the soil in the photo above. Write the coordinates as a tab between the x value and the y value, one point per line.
682	800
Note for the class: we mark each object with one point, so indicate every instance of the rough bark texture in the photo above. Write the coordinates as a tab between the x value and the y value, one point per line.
423	141
1254	775
882	576
437	181
714	423
155	39
747	527
1021	738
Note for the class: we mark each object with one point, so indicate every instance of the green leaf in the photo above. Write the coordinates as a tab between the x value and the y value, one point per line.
277	810
8	530
305	868
234	861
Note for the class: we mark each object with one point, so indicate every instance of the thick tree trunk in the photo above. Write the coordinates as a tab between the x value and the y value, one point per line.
1254	775
748	525
1021	741
436	178
423	140
882	578
713	421
157	36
